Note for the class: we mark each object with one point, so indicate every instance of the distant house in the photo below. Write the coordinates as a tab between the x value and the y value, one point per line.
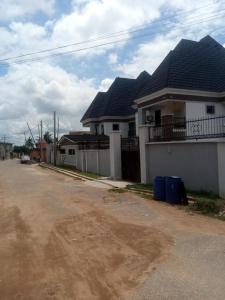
5	150
113	111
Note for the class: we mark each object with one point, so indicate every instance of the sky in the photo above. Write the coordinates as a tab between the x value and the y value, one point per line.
32	87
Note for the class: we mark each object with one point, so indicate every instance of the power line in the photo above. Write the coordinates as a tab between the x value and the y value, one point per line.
100	45
97	46
119	33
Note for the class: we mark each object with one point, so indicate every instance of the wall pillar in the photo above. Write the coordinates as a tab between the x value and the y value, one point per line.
143	139
115	155
98	165
221	168
82	161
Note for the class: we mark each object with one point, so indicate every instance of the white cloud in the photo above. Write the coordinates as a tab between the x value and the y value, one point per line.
112	59
147	57
37	91
105	84
150	54
96	18
10	9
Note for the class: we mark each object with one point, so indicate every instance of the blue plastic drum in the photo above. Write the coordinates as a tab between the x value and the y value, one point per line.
174	192
160	188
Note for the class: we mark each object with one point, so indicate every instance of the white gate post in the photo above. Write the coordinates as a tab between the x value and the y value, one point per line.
115	155
221	168
143	139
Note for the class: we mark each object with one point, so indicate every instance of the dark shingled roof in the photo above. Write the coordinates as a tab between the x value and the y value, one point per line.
191	65
118	100
96	109
85	138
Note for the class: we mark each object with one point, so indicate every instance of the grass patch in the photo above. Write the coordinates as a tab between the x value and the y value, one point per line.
118	190
91	175
140	186
203	194
87	174
208	206
145	196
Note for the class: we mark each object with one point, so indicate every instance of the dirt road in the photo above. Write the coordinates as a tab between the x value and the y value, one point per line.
61	238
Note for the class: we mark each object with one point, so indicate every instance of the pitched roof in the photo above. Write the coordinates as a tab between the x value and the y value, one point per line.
191	65
96	109
83	138
118	100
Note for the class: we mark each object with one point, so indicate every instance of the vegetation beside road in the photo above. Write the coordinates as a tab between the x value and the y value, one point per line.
200	201
211	207
118	190
141	186
87	174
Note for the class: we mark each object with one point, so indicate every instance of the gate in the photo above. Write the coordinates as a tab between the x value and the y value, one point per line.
130	156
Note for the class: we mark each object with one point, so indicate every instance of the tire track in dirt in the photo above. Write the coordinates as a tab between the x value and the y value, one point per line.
17	256
88	256
97	257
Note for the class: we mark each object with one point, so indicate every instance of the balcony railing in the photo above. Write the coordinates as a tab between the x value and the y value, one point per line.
204	128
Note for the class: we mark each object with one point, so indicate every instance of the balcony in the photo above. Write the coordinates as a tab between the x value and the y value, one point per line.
181	129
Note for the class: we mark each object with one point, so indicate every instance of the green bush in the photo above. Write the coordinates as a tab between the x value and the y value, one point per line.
208	206
118	190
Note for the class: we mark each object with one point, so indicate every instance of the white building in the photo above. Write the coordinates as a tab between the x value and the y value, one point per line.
113	111
5	150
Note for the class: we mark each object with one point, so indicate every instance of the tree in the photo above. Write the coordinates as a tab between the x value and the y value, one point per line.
48	137
20	149
29	143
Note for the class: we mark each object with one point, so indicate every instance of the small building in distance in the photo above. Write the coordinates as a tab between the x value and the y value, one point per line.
5	150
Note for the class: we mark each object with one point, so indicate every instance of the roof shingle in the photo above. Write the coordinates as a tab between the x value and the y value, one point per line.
118	100
191	65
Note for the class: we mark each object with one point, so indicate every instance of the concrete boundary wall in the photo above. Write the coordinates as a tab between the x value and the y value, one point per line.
200	164
93	161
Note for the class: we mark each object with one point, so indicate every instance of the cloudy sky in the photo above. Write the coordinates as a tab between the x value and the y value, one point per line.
137	35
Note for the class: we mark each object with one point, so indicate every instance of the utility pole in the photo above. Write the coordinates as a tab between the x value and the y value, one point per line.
39	135
4	155
54	138
40	140
58	130
25	138
31	133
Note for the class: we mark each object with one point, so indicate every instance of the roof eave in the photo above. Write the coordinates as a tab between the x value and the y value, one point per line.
101	119
177	91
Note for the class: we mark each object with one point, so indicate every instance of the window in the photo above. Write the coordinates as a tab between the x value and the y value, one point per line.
102	129
210	109
62	151
116	127
96	129
157	117
71	151
132	129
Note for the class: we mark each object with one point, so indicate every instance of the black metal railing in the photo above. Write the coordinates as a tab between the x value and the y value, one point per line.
203	128
93	145
130	144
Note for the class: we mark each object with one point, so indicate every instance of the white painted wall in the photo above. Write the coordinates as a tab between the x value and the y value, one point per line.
95	161
5	150
196	163
108	128
115	155
137	123
195	110
66	158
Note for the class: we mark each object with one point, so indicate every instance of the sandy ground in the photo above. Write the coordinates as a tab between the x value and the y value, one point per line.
61	238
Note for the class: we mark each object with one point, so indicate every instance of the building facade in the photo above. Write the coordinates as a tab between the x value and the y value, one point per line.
5	150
